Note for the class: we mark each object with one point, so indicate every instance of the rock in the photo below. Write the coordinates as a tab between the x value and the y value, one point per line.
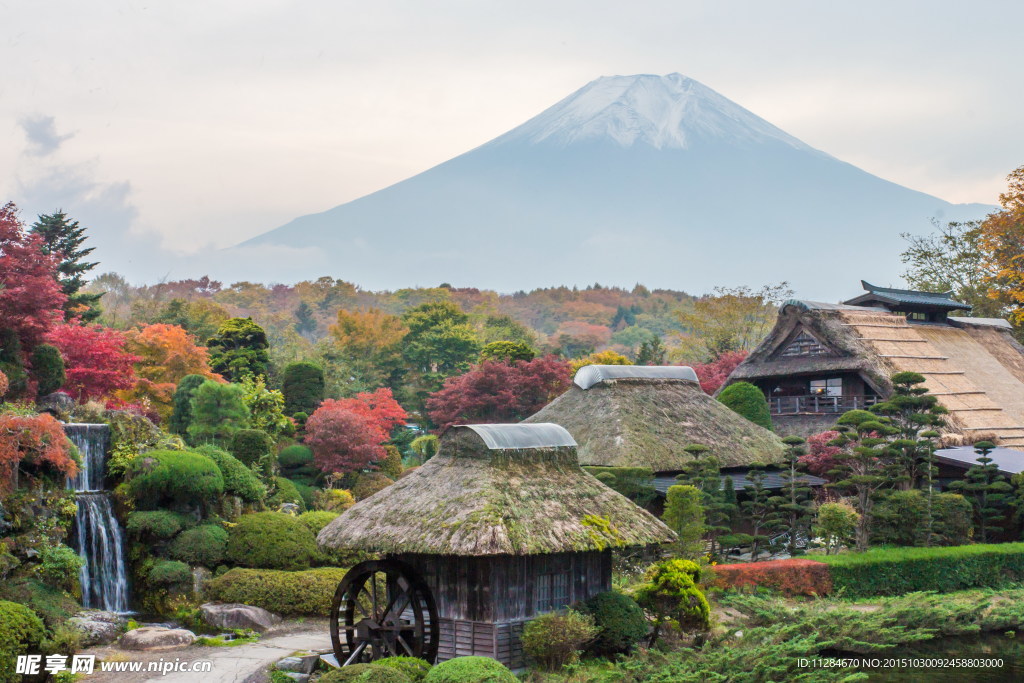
304	664
155	638
57	404
200	575
98	627
234	615
289	508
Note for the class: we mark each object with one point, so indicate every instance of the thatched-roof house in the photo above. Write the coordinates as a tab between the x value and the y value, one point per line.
501	525
823	359
637	416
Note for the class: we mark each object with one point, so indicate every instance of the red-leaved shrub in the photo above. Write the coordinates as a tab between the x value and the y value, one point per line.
791	577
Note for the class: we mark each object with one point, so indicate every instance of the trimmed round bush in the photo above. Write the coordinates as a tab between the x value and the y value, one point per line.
416	669
249	445
172	575
743	398
470	670
21	632
317	519
285	492
302	593
370	483
555	639
620	621
271	540
239	480
302	384
184	477
160	524
374	672
204	545
295	456
334	500
59	566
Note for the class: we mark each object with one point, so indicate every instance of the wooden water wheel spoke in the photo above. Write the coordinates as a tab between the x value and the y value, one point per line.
397	617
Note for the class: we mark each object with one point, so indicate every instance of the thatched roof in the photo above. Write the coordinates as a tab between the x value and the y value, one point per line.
973	365
641	420
496	490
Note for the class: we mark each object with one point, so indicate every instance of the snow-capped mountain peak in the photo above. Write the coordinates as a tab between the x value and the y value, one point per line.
664	112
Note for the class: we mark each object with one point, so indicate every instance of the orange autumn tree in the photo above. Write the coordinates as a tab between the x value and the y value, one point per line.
371	341
166	354
34	445
1002	242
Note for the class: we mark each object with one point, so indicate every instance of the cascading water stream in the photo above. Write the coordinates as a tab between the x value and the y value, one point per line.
98	535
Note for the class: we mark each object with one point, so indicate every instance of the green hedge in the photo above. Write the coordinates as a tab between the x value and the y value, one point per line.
271	540
159	478
239	480
287	593
21	631
895	571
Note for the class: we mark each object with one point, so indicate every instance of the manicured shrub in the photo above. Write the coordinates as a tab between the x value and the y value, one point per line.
416	669
302	593
303	387
391	466
158	478
901	519
307	493
671	594
171	575
743	398
217	412
155	524
317	519
555	639
21	632
470	670
271	540
53	605
791	577
285	492
250	445
59	566
895	571
47	369
204	545
239	349
295	456
181	415
369	483
836	524
620	622
375	672
334	500
239	480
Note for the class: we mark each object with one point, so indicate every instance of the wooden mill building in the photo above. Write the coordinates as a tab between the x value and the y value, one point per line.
501	525
823	359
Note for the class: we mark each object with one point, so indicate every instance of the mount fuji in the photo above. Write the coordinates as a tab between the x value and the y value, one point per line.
651	179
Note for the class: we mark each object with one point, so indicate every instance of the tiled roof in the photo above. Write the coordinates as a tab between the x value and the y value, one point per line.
772	480
908	296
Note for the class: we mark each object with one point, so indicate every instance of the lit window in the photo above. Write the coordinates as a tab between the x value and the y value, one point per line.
827	387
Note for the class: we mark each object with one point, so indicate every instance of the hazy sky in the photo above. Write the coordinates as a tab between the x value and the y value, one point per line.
184	124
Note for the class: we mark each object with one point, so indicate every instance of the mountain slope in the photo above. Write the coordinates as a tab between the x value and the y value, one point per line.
649	179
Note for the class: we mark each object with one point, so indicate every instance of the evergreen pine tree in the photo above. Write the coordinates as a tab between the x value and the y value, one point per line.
305	322
795	506
64	238
759	511
651	352
685	516
987	490
704	473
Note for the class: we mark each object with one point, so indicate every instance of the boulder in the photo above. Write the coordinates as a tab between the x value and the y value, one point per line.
57	404
303	664
200	575
98	627
234	615
155	638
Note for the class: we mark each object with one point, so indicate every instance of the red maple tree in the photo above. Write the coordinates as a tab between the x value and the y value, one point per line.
821	457
713	375
95	361
343	441
495	391
31	300
379	408
36	441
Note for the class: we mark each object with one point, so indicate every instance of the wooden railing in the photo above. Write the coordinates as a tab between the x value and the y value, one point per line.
818	404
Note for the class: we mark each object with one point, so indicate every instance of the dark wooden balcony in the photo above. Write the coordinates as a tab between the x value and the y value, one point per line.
818	404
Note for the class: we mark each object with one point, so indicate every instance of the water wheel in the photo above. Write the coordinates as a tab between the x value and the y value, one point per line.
382	608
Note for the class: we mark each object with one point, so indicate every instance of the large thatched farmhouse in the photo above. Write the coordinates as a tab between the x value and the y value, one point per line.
824	359
636	416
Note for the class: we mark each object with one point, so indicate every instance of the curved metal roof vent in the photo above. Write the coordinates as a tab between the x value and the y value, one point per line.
589	375
520	436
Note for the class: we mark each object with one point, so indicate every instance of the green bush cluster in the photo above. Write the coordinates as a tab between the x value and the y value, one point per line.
250	445
302	384
556	639
369	483
743	398
160	478
155	524
900	519
204	545
53	605
239	480
21	631
301	593
171	575
181	415
59	566
271	540
375	672
416	669
317	519
620	622
895	571
470	670
391	466
295	456
47	369
672	595
285	491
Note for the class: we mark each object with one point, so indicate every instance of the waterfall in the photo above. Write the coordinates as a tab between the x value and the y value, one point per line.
98	535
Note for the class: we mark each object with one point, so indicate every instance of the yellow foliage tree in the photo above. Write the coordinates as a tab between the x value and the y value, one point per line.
600	358
1002	241
731	319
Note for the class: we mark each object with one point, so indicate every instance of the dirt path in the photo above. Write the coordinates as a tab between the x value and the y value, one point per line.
228	664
